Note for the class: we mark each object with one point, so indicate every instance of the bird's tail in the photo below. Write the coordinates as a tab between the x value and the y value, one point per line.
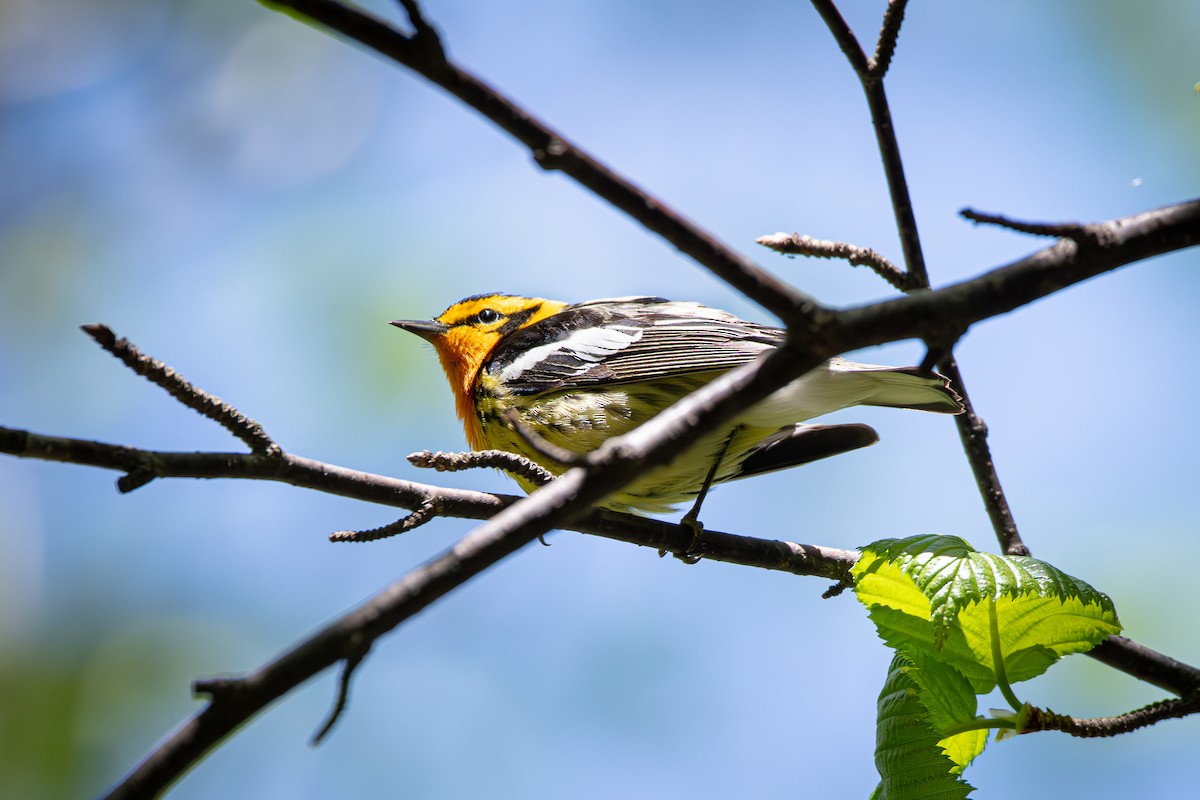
799	444
900	387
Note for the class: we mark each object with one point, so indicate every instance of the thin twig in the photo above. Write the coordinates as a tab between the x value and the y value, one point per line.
349	664
843	34
1043	719
885	47
420	515
1082	235
796	244
973	433
194	398
929	314
512	463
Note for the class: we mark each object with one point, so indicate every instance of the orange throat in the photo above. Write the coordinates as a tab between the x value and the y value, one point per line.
462	368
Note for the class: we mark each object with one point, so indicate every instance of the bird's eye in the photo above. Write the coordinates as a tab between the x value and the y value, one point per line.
488	316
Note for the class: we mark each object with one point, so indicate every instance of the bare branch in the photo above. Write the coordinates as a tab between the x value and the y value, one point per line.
1148	665
796	244
1083	235
871	79
420	515
476	459
1108	246
844	36
973	433
885	47
194	398
348	666
941	314
509	530
1043	719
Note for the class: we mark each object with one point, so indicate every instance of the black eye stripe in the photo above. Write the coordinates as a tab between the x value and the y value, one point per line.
485	317
490	316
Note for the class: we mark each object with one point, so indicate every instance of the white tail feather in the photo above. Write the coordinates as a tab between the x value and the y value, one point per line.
840	384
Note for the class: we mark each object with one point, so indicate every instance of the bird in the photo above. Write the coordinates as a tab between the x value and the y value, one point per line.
577	374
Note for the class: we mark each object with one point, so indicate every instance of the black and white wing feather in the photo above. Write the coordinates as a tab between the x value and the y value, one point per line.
626	341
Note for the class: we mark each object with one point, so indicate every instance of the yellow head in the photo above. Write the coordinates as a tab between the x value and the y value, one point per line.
467	333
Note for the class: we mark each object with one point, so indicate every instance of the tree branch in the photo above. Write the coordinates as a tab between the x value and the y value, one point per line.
796	244
944	314
1043	719
870	74
973	433
1080	234
189	395
306	473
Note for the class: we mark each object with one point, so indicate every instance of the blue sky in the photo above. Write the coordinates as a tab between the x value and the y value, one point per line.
251	201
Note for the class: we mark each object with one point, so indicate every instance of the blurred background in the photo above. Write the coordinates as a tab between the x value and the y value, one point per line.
252	200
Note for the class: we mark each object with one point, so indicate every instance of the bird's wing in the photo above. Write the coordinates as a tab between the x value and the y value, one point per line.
626	340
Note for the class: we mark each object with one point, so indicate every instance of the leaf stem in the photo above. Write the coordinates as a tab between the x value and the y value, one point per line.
998	658
980	724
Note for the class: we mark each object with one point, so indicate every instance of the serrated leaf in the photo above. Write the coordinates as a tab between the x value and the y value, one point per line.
950	700
1037	631
910	761
927	594
914	637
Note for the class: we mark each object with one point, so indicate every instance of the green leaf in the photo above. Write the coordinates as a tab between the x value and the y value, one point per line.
914	636
910	761
926	595
950	700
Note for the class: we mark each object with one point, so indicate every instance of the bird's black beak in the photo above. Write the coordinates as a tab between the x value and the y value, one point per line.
426	329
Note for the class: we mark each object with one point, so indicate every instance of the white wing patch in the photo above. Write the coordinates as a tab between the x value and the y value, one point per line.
588	345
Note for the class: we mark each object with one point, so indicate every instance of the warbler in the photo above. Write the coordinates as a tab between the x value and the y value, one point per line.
578	374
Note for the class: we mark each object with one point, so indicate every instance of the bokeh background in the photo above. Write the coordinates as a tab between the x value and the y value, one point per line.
252	200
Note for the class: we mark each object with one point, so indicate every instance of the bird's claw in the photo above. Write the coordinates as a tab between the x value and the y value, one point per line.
694	551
